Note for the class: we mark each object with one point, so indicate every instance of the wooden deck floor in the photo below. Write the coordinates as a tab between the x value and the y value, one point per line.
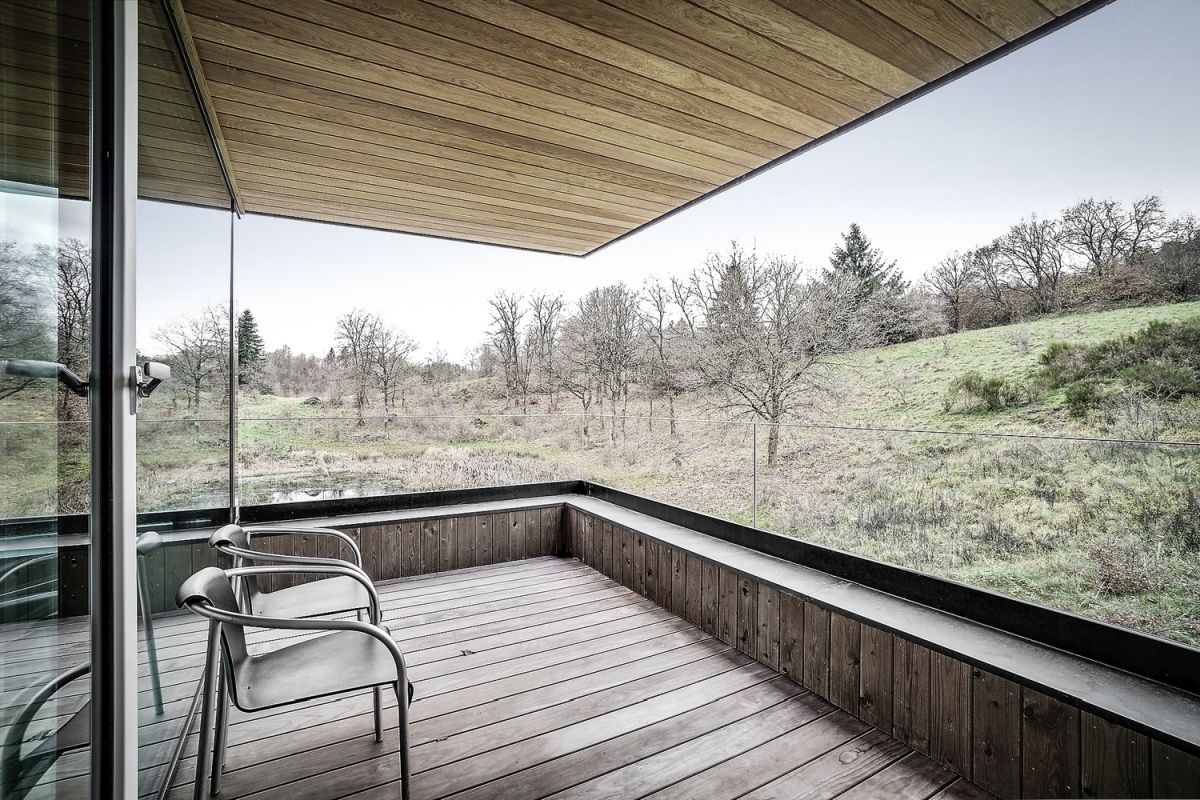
543	678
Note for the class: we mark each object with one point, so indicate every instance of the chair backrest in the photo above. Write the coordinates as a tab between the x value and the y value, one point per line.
212	586
229	534
148	542
236	535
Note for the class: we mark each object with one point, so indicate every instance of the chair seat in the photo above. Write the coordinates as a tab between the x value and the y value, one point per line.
327	596
342	661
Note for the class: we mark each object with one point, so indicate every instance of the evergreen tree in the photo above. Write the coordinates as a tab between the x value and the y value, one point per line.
251	356
856	258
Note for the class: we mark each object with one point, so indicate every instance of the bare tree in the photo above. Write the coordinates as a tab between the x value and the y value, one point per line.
952	280
667	339
507	336
616	312
1032	253
1096	230
356	334
391	362
546	316
197	348
600	354
682	292
1148	227
773	339
577	368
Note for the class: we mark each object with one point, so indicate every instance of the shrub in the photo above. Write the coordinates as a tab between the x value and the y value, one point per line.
1083	396
974	389
1125	566
1161	361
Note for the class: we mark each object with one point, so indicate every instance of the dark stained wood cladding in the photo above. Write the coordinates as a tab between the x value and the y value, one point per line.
394	550
44	75
1009	739
553	125
435	545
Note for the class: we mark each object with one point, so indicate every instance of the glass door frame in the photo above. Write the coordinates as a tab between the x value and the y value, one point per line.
113	401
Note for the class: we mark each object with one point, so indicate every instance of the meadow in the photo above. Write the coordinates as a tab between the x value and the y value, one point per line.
1029	500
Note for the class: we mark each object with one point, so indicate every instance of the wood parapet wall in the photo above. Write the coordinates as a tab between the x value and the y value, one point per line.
414	546
1008	738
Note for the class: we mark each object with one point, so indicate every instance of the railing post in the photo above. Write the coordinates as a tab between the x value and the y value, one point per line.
754	476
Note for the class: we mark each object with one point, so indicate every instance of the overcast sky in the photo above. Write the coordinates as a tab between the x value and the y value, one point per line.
1105	107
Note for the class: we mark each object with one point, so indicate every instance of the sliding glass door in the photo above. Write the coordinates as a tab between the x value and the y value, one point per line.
45	333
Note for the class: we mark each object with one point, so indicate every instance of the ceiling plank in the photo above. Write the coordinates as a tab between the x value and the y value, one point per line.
943	24
803	36
1010	19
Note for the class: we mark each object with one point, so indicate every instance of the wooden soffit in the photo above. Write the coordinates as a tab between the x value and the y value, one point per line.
559	125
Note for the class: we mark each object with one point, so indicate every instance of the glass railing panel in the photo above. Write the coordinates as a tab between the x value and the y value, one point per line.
1106	529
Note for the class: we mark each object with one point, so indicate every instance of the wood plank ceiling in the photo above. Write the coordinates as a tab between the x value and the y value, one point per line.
555	125
44	76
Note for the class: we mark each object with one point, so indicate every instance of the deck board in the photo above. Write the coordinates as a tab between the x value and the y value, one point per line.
543	678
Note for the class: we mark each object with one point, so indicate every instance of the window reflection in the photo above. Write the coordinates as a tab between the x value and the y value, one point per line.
45	314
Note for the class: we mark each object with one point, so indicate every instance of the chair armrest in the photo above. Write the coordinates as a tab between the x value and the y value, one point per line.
282	558
285	624
10	756
336	568
349	541
8	573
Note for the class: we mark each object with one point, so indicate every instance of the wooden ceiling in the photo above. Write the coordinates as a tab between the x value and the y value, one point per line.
554	125
44	120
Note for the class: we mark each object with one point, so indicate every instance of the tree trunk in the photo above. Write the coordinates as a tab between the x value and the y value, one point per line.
772	445
671	411
613	427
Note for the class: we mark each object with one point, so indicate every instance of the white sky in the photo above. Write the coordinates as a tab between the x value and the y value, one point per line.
1107	106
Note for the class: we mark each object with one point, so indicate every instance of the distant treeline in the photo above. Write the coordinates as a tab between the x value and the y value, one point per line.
1095	254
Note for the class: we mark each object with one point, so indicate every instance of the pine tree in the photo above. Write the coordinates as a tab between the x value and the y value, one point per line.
250	349
857	258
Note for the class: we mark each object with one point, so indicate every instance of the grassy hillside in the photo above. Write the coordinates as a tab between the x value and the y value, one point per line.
907	383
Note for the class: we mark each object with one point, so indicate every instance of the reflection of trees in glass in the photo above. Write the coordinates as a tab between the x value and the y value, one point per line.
74	310
197	349
24	329
27	279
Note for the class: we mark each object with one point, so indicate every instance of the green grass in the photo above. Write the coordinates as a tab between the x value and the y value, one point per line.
906	383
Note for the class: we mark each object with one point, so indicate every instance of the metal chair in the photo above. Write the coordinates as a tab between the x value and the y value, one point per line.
354	655
329	596
20	771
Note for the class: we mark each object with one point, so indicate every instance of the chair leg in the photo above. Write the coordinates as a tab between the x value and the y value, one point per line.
402	707
378	692
148	624
222	736
211	665
378	695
